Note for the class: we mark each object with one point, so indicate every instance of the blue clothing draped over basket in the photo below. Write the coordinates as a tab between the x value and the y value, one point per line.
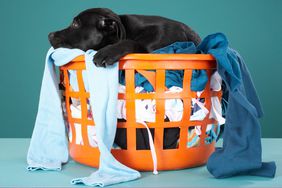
241	151
48	148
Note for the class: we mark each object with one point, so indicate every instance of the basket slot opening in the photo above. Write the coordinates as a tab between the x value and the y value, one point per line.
80	108
212	132
198	80
199	109
194	136
173	79
142	138
145	110
145	81
171	138
174	109
120	141
92	137
78	132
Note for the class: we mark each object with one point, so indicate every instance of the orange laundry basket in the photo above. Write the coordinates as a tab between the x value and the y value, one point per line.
168	159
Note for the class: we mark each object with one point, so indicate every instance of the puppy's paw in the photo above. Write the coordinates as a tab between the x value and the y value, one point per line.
107	56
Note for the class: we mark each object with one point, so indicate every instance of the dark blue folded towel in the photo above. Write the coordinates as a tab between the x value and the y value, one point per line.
241	151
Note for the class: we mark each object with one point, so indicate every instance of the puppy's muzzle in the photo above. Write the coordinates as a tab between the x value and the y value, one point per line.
55	41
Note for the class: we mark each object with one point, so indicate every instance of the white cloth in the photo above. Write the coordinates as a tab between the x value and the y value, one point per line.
216	109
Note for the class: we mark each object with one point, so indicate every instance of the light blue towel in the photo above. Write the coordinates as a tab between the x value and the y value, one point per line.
49	147
103	99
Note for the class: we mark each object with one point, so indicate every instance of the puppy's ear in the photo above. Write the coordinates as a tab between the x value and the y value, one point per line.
107	24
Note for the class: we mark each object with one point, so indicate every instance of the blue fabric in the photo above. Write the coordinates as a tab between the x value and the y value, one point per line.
241	151
173	77
49	146
104	108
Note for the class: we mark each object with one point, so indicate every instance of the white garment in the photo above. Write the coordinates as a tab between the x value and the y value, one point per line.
216	109
174	107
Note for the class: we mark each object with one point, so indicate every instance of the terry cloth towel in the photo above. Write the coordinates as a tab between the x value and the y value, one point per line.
103	102
241	151
173	77
49	147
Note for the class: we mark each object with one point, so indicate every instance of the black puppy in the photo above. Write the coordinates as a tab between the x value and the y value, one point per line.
114	36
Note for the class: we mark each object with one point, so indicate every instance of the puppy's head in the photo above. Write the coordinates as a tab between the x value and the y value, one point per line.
91	29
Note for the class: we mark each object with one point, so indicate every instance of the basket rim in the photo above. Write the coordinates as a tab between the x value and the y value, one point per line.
162	57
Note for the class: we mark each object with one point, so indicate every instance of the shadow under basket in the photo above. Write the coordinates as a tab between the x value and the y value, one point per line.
168	159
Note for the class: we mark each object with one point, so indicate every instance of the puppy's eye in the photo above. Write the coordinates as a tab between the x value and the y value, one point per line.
75	25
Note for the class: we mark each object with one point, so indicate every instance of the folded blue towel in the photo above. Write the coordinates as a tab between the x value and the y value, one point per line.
49	146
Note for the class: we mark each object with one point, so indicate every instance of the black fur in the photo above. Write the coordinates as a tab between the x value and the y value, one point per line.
114	36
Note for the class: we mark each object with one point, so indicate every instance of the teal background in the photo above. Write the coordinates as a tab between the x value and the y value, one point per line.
253	27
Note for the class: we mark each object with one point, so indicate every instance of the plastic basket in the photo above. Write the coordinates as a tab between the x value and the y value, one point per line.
168	159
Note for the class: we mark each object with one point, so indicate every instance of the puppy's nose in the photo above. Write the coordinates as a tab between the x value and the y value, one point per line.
51	35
